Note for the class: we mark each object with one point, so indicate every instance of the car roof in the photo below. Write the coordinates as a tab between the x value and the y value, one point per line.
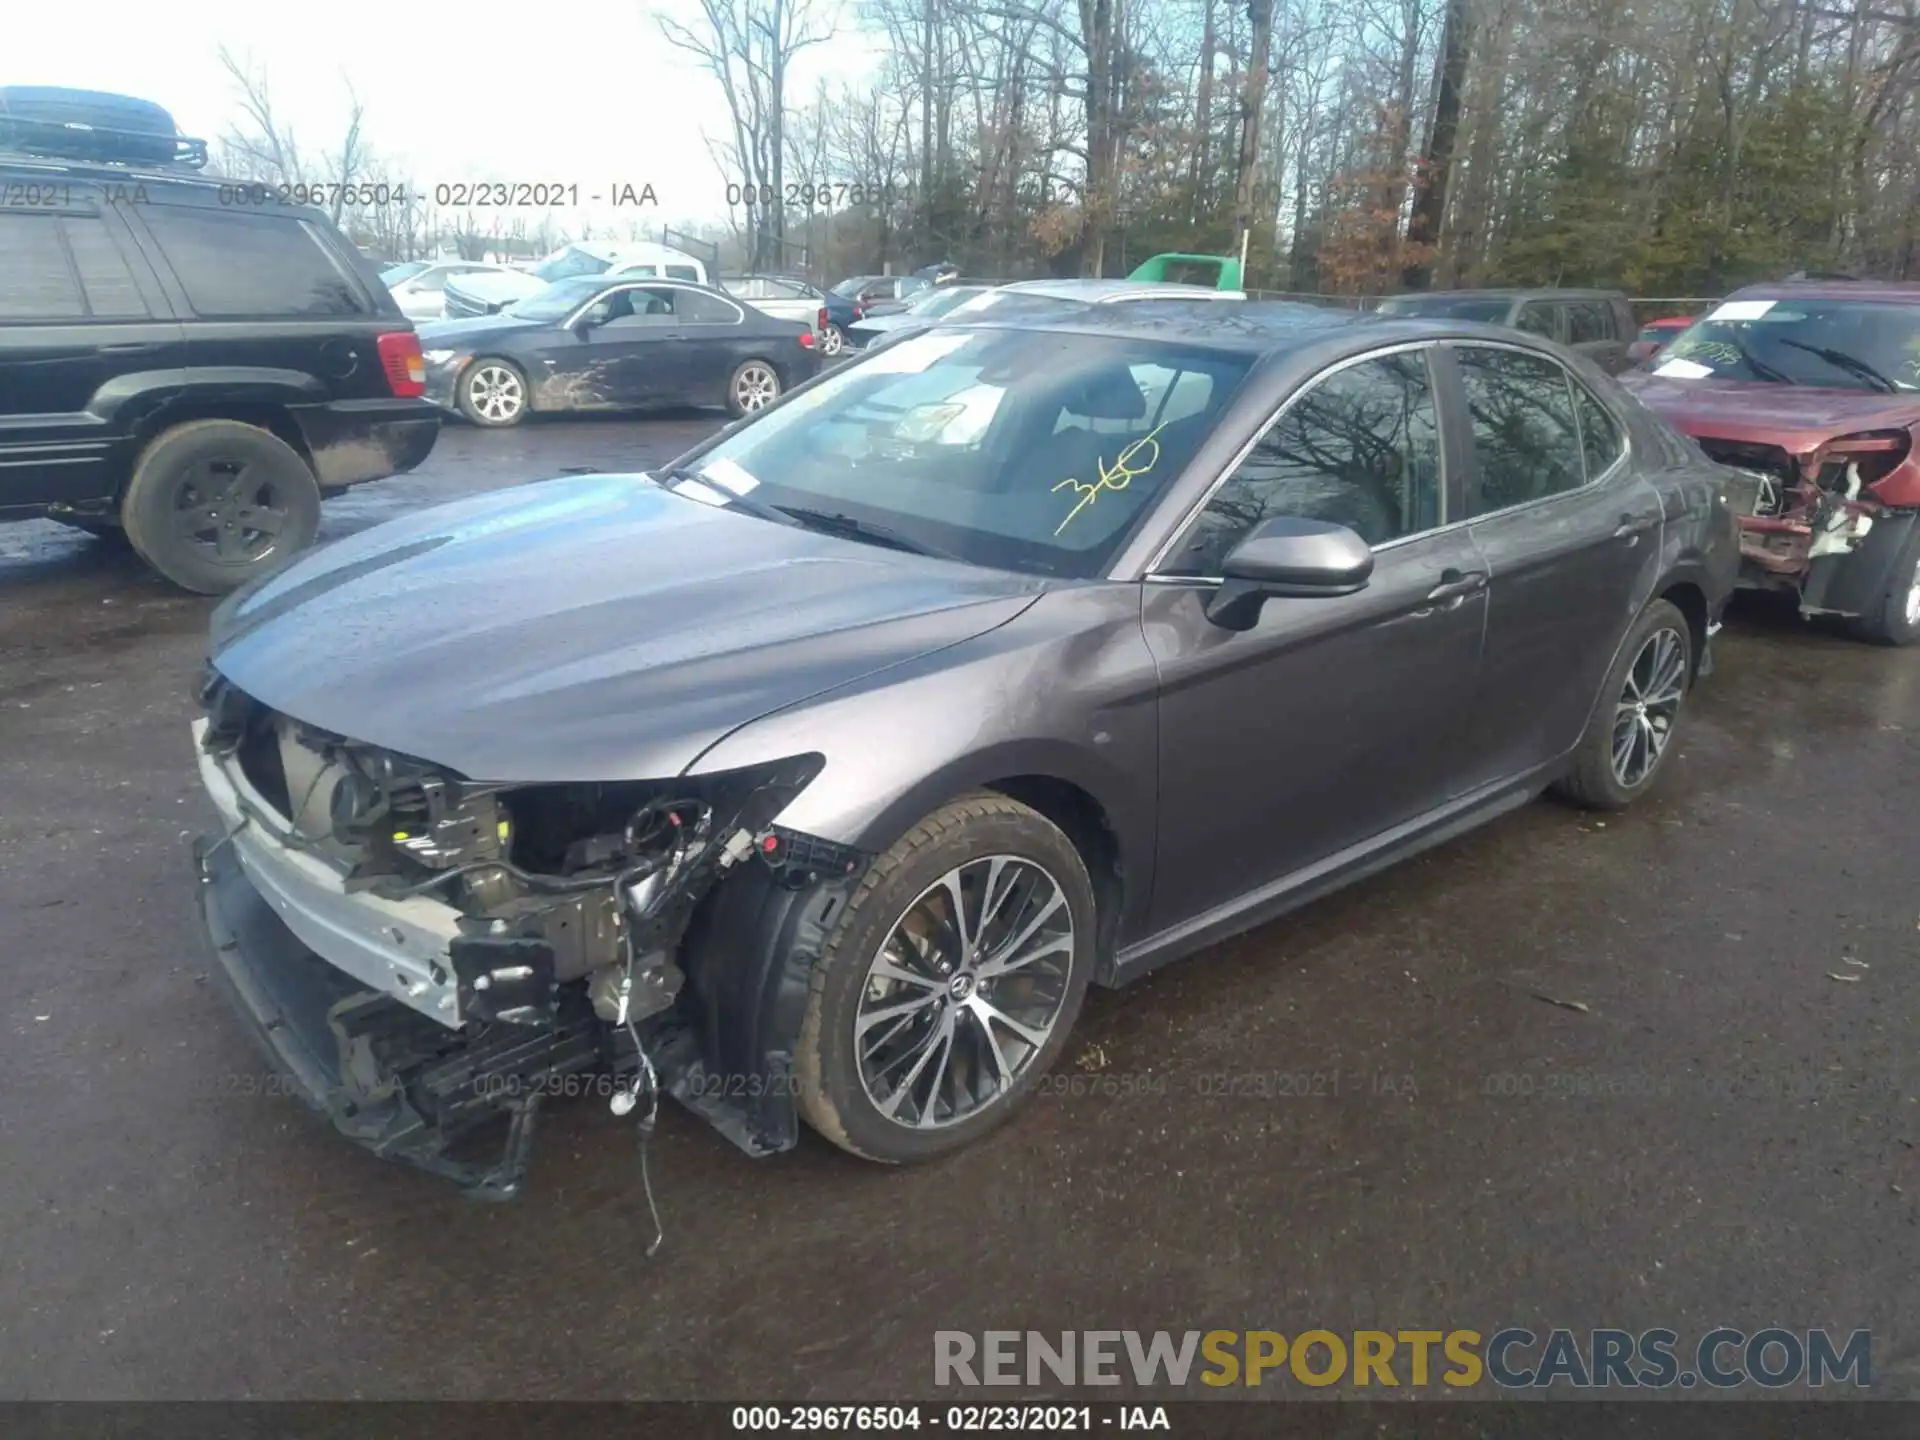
1545	292
1256	327
1091	291
1885	292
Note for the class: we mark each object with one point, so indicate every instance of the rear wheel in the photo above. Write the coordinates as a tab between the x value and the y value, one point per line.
493	393
754	386
832	340
1633	722
950	982
1896	620
213	503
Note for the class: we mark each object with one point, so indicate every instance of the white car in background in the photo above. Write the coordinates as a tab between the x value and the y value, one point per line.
489	294
780	296
419	286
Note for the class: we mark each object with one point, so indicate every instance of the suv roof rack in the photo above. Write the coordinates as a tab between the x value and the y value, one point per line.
100	145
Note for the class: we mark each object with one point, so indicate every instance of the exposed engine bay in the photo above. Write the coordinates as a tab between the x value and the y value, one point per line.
487	940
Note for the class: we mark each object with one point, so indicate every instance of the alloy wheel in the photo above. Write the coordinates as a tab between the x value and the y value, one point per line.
962	995
756	386
496	393
1649	703
231	509
831	340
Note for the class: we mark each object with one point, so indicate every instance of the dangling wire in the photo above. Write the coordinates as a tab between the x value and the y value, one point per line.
625	1100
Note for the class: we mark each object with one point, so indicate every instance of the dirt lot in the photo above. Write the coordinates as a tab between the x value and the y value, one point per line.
1721	1133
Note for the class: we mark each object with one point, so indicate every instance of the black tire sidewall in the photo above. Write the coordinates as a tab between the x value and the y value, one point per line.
963	831
1891	626
146	506
460	397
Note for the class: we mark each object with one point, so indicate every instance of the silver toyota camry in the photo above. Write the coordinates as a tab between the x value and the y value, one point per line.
817	775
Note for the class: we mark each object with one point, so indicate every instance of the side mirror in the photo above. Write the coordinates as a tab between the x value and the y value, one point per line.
1289	557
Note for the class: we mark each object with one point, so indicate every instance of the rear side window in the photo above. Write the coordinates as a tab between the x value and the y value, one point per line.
683	272
1587	322
37	282
699	309
65	267
1537	317
1526	441
1600	436
241	266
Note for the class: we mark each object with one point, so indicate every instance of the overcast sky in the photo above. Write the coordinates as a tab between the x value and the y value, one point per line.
580	91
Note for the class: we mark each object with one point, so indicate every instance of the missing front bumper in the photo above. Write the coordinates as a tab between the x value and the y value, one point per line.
387	1077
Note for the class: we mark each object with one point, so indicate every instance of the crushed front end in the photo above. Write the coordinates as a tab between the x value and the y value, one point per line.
427	956
1826	518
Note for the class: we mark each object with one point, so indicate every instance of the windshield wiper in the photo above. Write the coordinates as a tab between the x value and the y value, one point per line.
835	523
1853	365
1759	367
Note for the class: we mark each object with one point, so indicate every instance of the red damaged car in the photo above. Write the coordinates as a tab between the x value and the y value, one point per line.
1813	388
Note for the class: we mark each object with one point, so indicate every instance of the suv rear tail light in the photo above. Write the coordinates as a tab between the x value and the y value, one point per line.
822	320
406	367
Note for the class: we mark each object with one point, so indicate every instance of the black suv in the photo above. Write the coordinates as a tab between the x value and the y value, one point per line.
182	358
1597	323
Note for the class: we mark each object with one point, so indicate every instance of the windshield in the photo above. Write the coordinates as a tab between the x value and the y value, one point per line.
557	301
1831	344
567	264
1449	307
394	274
1018	449
929	303
853	285
1013	302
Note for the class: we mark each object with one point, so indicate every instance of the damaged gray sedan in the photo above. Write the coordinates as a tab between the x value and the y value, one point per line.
819	774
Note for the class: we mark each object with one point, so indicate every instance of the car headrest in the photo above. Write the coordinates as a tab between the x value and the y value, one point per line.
1105	395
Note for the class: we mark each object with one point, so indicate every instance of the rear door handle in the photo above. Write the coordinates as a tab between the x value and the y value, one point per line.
131	347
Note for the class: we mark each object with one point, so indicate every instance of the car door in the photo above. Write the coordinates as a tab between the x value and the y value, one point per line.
1571	536
1335	719
79	309
705	341
608	355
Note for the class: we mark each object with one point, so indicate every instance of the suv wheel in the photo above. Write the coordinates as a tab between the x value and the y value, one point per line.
213	503
949	984
1632	727
493	393
1896	621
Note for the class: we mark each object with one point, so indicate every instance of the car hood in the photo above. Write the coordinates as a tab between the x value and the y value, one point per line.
589	628
886	324
498	286
1798	418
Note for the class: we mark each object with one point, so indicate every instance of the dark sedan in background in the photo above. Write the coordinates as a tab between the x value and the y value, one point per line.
840	756
614	343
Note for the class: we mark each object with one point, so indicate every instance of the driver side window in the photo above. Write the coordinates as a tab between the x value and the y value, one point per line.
1361	448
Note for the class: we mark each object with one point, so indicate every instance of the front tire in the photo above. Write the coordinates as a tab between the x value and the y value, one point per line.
213	503
950	982
754	386
493	394
1631	730
1896	619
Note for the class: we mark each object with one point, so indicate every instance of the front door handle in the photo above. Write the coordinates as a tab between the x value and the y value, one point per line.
1456	585
132	347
